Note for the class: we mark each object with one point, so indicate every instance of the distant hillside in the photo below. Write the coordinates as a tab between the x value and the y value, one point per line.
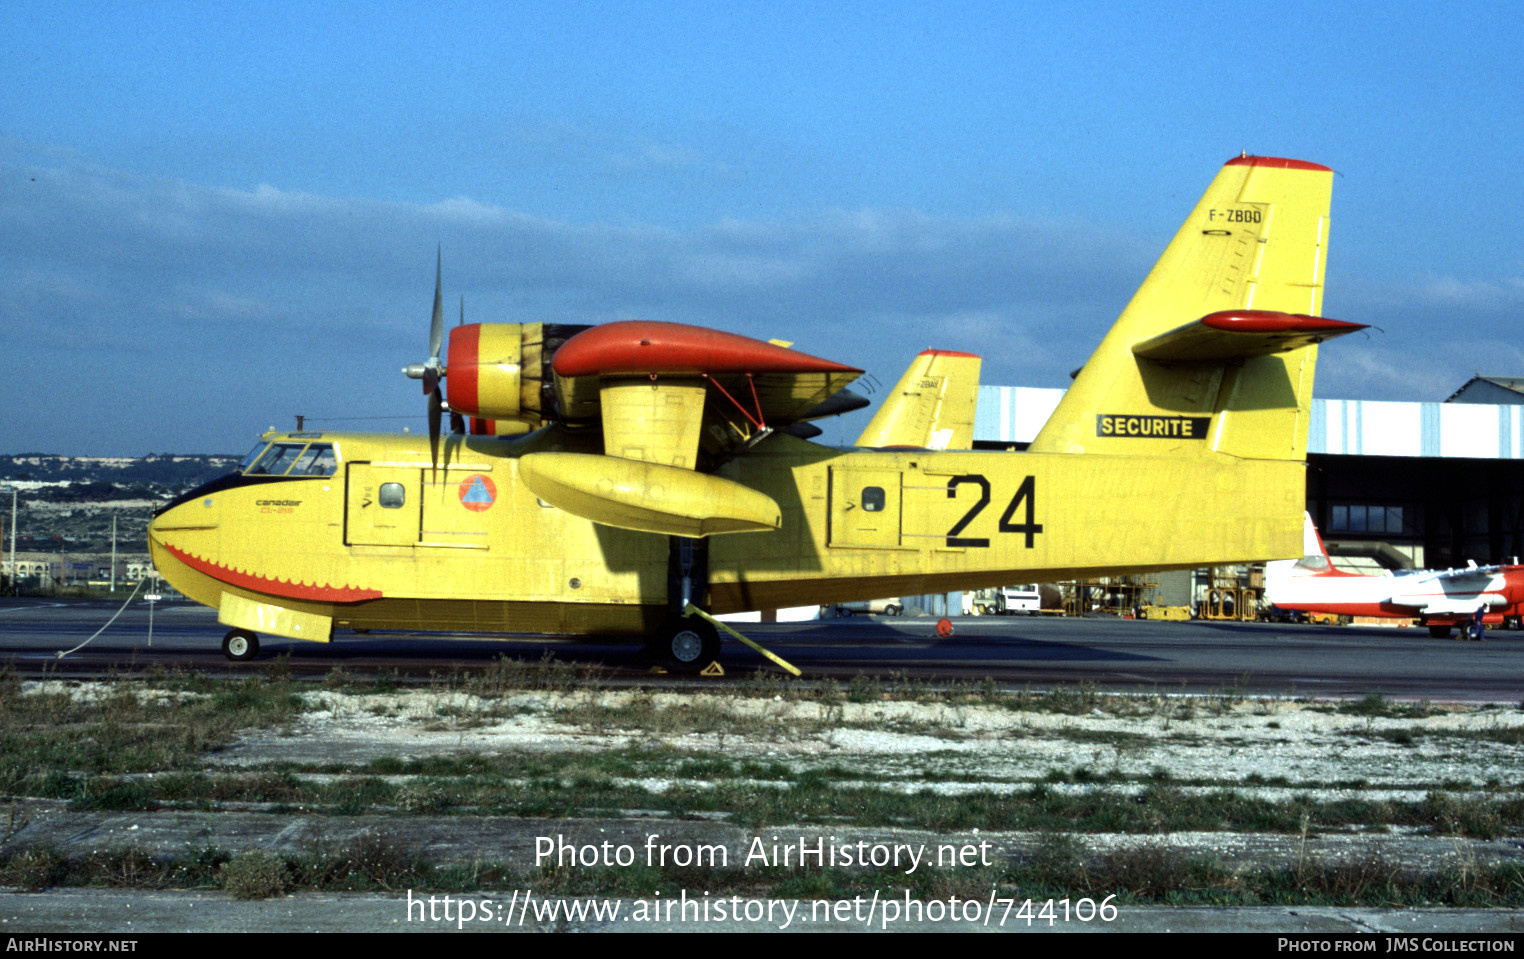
68	503
167	469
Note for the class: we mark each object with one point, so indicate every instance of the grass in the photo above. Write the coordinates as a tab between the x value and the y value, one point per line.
574	785
762	752
83	742
1060	867
141	745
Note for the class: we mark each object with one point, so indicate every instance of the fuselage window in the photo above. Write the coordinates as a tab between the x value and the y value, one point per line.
392	496
873	499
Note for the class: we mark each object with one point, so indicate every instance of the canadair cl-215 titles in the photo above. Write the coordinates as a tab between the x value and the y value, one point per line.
617	477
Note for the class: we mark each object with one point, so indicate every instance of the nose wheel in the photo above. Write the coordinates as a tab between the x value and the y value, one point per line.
240	645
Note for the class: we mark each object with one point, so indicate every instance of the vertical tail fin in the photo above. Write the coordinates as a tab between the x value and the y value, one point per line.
1314	553
1314	562
932	406
1215	352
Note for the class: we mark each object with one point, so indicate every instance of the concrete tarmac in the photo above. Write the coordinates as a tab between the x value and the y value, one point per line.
1253	658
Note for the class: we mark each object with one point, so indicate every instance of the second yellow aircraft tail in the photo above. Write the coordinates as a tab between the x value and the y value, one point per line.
1215	352
932	407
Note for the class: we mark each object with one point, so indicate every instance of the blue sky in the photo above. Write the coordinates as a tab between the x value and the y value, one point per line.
217	216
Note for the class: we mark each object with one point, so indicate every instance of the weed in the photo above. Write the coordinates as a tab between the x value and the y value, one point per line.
1145	872
1462	817
1071	700
865	689
368	862
1371	878
256	874
34	869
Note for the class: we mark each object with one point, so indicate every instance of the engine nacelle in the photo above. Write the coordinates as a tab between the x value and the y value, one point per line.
501	371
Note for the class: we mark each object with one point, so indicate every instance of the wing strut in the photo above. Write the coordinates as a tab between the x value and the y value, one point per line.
759	420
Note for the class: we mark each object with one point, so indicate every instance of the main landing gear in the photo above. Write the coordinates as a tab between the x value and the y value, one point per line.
685	645
240	645
1468	630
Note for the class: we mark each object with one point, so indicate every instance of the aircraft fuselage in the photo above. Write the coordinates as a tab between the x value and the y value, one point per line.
388	540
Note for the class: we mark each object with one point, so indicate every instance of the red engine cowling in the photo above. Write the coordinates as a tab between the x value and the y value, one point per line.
501	372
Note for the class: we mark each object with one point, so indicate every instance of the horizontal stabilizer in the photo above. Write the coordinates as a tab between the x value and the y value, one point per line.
649	497
1239	334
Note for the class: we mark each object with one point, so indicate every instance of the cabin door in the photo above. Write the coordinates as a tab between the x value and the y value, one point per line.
382	506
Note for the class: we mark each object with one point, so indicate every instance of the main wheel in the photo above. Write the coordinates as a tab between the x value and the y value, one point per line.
687	645
240	645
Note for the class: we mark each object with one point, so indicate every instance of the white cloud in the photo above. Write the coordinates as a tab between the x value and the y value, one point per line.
217	306
1484	294
331	294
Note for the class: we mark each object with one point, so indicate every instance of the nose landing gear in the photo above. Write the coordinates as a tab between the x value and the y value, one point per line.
240	645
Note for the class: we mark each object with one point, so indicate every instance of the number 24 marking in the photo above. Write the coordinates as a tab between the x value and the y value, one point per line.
1025	493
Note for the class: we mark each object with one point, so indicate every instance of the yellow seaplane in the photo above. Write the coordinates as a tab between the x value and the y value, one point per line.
629	478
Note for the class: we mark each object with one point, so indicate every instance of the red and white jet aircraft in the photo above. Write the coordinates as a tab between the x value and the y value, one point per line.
1472	598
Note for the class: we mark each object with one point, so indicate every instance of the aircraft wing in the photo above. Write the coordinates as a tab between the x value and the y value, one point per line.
1458	592
675	402
661	388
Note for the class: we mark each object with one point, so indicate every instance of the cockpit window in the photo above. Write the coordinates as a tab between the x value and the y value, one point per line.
295	459
277	460
318	460
253	455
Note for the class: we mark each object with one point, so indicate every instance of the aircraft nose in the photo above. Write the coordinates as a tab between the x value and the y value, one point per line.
163	518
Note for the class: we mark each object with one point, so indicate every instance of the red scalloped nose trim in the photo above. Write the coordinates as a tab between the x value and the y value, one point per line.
647	346
275	587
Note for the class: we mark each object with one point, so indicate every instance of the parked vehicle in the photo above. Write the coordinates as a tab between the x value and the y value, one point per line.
1006	600
888	607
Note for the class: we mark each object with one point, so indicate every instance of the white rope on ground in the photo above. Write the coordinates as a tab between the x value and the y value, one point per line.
108	622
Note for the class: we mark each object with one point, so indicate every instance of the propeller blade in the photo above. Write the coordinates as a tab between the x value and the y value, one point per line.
436	409
436	329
